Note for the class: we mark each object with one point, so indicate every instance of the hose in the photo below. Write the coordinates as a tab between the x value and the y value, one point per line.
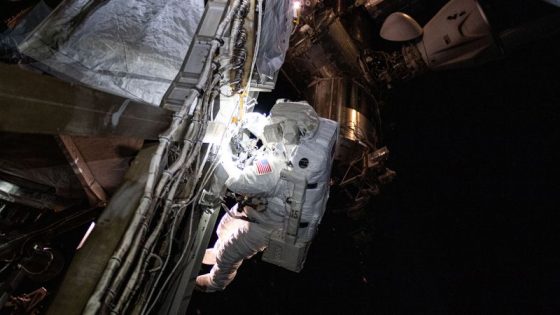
94	303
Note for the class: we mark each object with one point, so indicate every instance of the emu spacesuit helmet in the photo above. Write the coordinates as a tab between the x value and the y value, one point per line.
290	122
255	122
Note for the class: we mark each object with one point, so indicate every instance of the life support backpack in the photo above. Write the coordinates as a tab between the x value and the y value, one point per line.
309	177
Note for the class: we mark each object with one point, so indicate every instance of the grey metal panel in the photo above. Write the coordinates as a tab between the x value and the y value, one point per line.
196	56
178	302
188	78
34	103
89	263
179	92
214	12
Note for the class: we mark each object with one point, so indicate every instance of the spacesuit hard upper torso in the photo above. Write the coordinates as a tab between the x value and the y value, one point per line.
260	179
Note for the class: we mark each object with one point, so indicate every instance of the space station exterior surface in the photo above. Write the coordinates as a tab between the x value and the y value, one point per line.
127	127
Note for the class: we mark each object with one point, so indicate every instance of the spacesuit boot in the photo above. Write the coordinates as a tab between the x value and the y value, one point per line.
204	284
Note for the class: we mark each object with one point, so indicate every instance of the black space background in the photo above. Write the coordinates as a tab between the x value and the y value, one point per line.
469	226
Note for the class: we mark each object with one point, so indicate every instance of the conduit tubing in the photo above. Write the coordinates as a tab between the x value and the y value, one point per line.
94	304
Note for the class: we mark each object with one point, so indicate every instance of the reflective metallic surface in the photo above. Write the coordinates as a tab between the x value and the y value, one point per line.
345	101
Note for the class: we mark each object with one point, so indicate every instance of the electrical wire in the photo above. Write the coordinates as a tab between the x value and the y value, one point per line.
175	160
131	235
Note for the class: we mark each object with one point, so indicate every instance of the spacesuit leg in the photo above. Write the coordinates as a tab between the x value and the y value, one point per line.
246	241
226	227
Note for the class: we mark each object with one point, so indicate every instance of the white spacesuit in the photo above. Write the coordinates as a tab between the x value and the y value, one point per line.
297	145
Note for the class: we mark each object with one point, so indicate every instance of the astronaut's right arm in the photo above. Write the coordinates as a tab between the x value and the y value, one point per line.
259	178
256	178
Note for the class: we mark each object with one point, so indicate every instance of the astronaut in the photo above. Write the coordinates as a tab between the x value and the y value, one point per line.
296	144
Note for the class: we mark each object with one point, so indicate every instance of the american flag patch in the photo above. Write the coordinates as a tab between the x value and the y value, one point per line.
263	167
